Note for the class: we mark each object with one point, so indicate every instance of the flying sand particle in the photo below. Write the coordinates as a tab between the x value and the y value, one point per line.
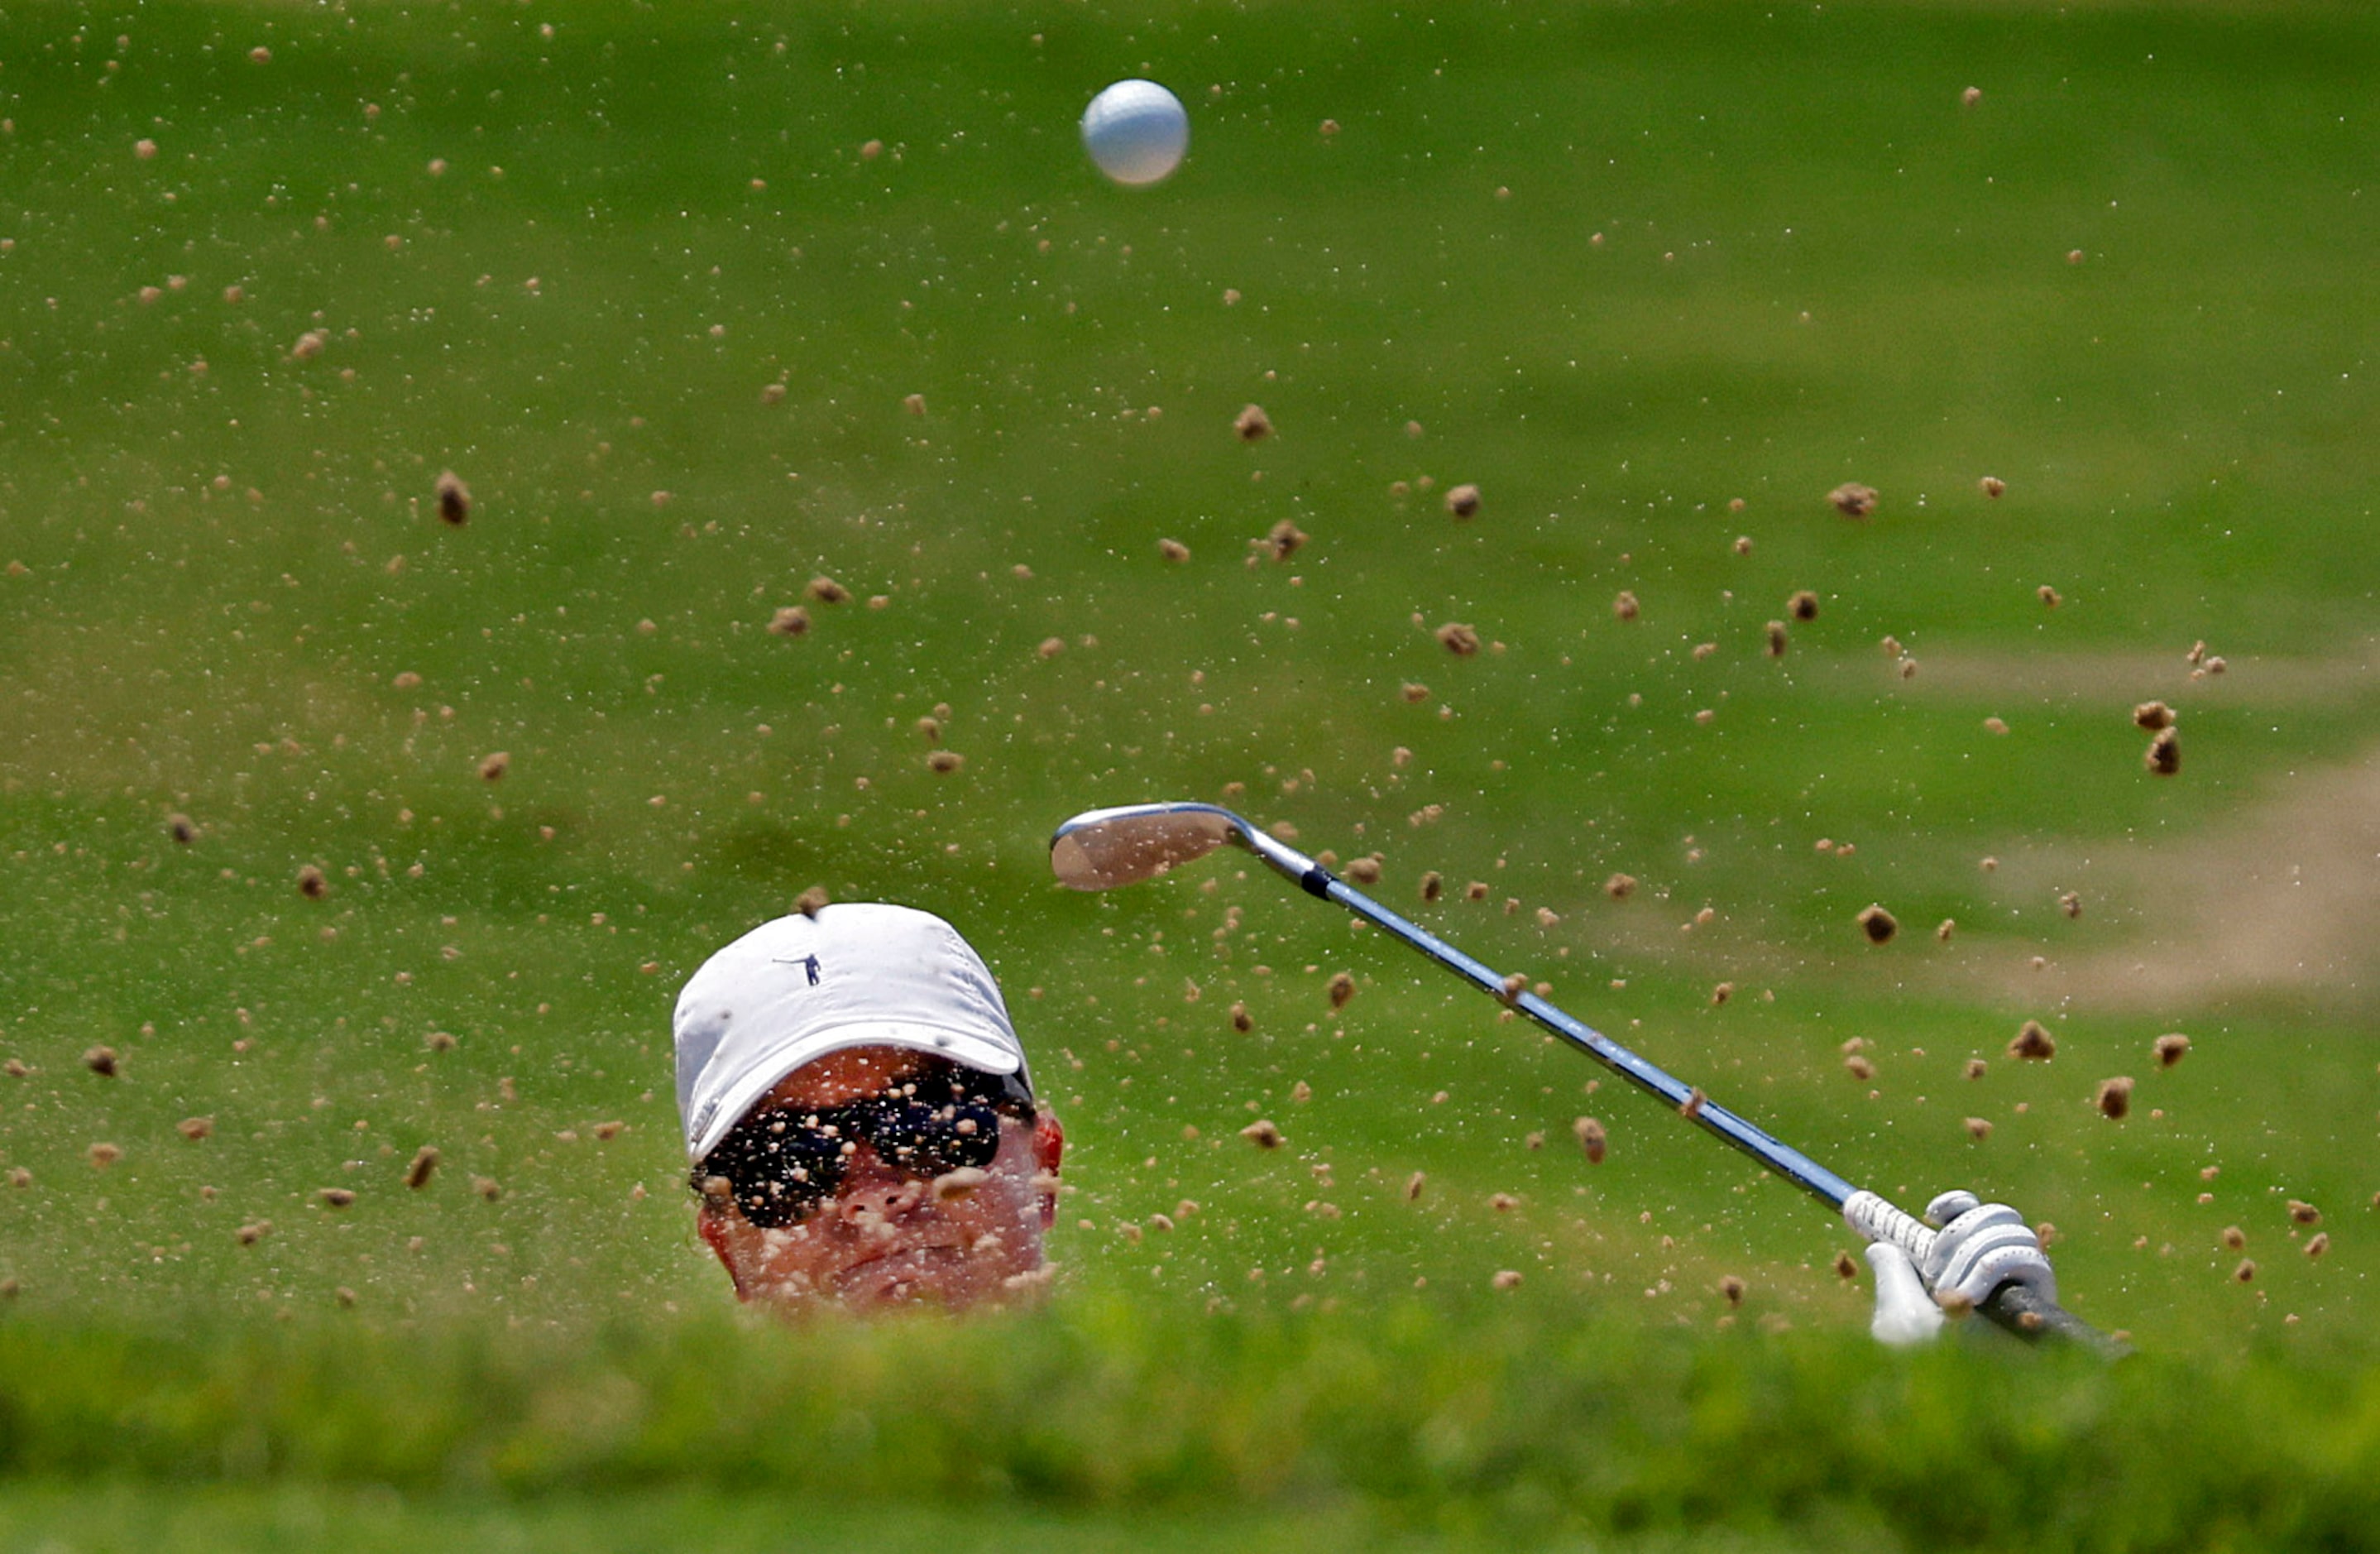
101	1060
1252	424
1476	891
1414	1185
1433	884
2318	1244
2246	1272
1877	924
2153	716
2115	1098
790	621
1730	1289
1991	485
1978	1129
1506	1279
1174	550
2070	904
103	1155
493	768
2304	1213
423	1166
1364	872
1458	639
1777	639
2164	756
2050	598
1051	646
1284	539
1945	928
944	762
826	590
1976	1068
1263	1134
1242	1021
1692	1105
195	1128
182	828
312	883
2171	1047
487	1187
454	499
1592	1139
1343	988
1802	606
1845	1269
1462	501
1414	691
336	1197
1625	606
1620	887
1853	500
1859	1068
2032	1043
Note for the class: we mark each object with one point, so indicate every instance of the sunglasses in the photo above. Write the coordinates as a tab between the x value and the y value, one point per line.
780	1164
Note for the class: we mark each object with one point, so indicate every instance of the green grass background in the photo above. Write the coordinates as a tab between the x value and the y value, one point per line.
1624	265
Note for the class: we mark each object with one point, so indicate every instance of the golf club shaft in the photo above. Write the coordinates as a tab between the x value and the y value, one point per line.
1711	1117
2014	1306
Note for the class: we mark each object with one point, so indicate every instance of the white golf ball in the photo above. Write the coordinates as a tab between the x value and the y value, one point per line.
1137	131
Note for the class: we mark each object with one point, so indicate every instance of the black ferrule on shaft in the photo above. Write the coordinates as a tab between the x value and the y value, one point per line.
1316	882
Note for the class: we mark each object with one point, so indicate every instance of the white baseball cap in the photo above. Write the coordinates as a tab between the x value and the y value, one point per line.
860	973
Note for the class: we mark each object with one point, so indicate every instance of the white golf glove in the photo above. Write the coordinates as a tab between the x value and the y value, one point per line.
1905	1315
1982	1247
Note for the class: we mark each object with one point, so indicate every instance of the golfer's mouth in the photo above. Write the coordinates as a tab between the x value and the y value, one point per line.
883	1274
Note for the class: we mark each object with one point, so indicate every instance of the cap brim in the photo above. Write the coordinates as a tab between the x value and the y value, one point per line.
744	1091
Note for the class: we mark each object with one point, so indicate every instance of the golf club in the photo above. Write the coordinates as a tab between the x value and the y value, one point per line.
1103	848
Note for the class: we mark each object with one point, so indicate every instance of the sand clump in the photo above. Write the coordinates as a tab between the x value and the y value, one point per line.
1879	924
454	499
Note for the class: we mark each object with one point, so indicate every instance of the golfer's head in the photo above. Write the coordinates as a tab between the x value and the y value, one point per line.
859	1119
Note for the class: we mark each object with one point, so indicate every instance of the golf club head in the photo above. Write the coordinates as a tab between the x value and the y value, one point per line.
1104	848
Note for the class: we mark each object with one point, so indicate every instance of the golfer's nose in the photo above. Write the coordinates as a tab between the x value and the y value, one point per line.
872	1187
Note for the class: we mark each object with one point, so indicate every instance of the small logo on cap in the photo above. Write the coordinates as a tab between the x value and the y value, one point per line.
810	962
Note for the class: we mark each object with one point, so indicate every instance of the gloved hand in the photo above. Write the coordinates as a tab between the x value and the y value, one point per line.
1982	1247
1905	1315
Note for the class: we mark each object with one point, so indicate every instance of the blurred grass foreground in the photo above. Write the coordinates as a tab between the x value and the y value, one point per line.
497	499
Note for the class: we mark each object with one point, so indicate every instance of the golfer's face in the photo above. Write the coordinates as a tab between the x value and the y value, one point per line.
889	1235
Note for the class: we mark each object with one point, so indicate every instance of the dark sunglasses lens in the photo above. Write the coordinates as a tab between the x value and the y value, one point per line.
780	1170
928	1140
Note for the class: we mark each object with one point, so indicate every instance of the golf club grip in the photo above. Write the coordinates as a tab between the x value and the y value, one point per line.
2030	1315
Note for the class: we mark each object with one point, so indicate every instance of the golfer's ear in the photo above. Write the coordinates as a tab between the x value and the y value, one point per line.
713	1227
1049	1148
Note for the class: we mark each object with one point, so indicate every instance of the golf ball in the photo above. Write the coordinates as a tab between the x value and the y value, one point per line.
1135	131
